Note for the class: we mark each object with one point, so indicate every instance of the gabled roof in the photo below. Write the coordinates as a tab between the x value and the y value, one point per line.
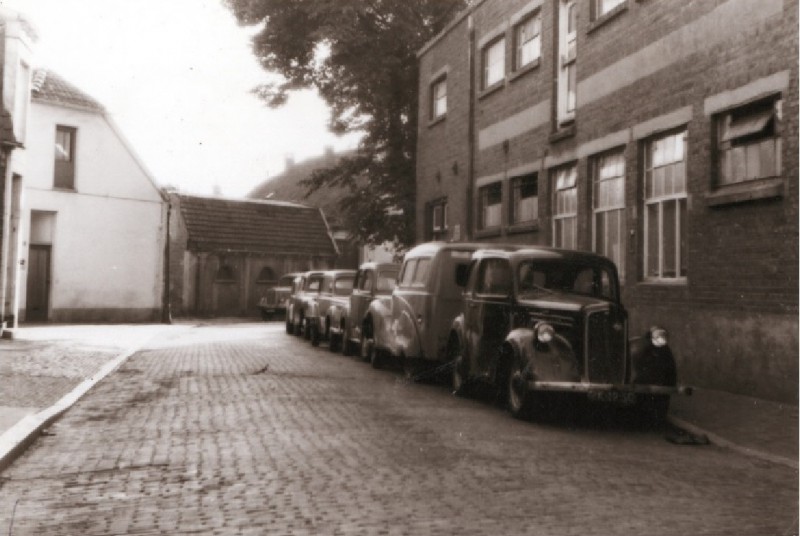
49	87
217	224
287	187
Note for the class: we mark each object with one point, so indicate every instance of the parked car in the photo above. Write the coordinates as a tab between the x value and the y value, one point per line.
424	304
305	289
354	325
542	320
275	299
334	295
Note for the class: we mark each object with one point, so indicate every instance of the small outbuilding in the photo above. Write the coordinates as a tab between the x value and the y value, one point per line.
225	253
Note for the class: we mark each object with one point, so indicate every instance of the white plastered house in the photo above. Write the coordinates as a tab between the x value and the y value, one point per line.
94	220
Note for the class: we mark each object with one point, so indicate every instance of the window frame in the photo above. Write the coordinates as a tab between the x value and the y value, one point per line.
64	168
515	187
435	114
559	218
662	201
567	53
598	13
494	188
437	227
606	210
498	43
726	149
535	15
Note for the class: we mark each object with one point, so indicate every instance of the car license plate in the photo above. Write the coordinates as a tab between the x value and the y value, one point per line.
620	398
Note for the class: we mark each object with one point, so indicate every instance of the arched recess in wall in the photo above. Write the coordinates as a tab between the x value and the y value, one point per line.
266	275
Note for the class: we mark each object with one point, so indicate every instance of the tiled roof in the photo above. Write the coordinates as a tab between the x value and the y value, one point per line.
47	86
216	224
287	187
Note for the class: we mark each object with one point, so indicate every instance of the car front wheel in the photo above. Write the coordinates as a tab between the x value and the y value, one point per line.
520	399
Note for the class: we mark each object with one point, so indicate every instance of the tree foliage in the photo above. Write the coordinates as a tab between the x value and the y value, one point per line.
361	57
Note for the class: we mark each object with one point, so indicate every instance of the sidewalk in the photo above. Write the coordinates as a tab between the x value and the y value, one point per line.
45	369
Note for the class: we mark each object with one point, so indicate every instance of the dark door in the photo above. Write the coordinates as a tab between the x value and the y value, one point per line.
38	285
491	311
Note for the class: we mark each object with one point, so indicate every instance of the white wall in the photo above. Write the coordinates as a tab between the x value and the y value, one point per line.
108	238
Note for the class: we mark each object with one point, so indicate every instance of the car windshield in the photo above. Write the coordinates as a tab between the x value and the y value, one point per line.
343	286
561	276
387	280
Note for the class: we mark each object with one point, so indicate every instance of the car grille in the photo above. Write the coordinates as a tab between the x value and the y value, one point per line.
605	346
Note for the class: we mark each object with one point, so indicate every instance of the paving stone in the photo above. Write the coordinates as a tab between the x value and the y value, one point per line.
246	430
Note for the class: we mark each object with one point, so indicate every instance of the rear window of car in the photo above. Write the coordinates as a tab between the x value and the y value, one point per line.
314	284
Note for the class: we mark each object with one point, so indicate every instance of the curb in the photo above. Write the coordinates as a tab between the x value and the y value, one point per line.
20	436
725	443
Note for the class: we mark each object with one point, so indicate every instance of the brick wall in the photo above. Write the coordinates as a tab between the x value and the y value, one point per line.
643	69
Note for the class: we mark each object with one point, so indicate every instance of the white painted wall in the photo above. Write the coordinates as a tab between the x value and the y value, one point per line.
108	237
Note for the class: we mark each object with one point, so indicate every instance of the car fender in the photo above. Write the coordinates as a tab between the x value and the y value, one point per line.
379	313
651	365
555	361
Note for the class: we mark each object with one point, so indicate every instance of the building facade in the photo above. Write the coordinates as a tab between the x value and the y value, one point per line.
660	134
17	41
94	221
225	253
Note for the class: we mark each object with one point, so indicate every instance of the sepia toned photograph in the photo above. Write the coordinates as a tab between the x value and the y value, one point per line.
399	267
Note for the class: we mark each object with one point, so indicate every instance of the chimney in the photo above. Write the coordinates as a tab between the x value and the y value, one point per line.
328	151
289	161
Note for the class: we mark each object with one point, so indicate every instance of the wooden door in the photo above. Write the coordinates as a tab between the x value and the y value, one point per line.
38	284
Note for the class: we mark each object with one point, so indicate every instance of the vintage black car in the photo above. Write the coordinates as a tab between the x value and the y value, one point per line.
542	320
305	290
274	301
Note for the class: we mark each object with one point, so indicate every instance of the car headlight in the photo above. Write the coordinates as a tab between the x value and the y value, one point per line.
658	336
544	332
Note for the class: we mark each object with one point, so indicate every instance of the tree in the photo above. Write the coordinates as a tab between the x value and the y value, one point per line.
361	57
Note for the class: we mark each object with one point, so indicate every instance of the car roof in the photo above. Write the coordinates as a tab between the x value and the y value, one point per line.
429	249
335	273
379	265
544	253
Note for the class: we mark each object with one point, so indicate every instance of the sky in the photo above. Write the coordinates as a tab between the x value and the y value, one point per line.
176	75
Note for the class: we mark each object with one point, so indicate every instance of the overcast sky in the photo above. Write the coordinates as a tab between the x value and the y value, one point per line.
175	75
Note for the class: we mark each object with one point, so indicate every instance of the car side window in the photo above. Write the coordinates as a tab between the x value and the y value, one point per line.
421	273
494	277
408	273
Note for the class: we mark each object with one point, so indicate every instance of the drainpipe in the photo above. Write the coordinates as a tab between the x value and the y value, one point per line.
5	248
470	129
166	305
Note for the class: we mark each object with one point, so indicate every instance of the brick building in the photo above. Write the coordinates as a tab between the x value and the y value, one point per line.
660	134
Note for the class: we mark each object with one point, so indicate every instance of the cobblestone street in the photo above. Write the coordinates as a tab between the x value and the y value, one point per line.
243	429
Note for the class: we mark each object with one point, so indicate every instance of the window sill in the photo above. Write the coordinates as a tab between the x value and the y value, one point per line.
566	130
522	71
492	89
63	189
606	17
488	233
746	191
436	121
528	227
672	282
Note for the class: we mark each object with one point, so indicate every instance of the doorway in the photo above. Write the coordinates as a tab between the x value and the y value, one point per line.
38	284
